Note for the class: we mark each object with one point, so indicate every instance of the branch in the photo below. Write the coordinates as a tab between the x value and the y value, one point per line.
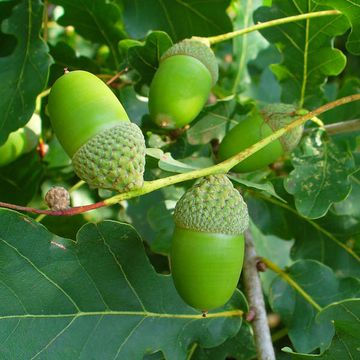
264	347
260	26
221	168
343	127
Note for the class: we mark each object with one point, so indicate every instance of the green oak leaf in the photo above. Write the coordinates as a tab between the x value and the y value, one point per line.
180	19
313	238
321	175
24	71
349	86
20	180
99	21
239	347
351	9
144	56
7	41
306	331
97	297
307	48
65	57
345	343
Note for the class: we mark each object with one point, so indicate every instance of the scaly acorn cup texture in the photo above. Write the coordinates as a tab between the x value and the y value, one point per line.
208	246
255	127
113	159
107	150
182	83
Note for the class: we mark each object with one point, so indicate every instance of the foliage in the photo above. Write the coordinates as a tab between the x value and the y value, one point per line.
98	285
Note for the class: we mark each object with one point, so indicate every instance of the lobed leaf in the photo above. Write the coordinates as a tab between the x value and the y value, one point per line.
306	331
239	347
97	298
144	56
314	239
320	177
23	71
345	343
307	48
351	9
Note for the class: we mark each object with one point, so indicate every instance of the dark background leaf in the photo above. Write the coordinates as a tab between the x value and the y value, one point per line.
97	20
144	56
24	71
180	19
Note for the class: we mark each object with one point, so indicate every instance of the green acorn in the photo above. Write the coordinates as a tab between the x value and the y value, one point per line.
208	245
255	127
182	83
107	150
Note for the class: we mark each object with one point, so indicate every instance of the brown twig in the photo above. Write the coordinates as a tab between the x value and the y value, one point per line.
67	212
116	76
264	347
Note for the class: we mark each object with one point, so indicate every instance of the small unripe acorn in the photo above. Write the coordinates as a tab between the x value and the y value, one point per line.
182	83
207	249
257	126
107	150
21	141
58	198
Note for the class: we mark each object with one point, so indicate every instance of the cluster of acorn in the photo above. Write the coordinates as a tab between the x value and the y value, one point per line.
108	151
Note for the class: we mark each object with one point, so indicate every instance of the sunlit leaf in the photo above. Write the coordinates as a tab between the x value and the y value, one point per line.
307	48
321	175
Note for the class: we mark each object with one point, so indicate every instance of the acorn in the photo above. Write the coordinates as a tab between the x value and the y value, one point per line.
207	249
255	127
21	141
182	83
107	150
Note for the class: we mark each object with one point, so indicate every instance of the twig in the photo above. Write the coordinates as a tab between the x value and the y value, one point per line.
116	76
264	347
343	127
221	168
219	38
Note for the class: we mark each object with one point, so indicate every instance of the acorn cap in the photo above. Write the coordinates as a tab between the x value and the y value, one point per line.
212	205
113	159
199	51
280	115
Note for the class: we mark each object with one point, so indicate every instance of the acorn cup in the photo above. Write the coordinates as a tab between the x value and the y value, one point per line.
107	150
182	83
207	249
258	125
